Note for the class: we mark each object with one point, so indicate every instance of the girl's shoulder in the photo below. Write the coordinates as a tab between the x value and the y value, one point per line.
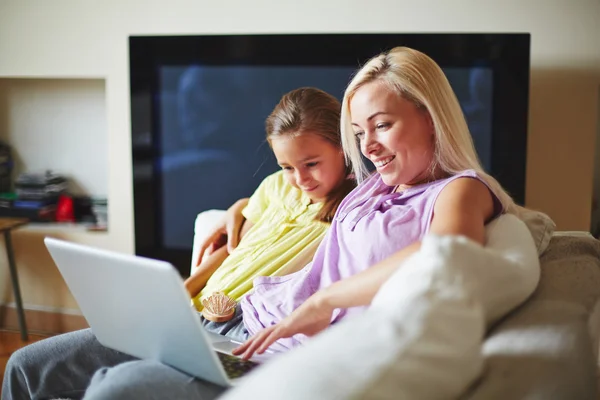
279	191
275	179
275	184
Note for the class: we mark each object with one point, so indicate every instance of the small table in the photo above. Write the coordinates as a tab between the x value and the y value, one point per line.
6	226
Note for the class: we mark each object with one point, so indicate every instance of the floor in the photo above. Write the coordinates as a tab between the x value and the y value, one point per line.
10	341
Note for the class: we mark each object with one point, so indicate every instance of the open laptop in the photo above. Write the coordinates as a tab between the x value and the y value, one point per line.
140	307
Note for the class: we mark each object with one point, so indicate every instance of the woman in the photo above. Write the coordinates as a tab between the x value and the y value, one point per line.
401	113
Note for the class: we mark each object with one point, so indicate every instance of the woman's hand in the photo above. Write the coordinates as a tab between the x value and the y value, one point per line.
313	316
227	232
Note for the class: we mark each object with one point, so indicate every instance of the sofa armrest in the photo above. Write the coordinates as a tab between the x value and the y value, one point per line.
573	233
205	223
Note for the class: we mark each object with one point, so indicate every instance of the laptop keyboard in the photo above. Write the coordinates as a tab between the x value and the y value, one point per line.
235	367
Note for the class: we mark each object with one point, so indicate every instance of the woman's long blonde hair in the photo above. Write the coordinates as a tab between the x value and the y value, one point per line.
417	78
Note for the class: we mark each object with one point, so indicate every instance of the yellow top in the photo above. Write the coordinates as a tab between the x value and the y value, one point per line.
283	239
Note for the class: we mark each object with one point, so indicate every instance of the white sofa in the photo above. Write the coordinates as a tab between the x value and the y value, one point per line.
548	347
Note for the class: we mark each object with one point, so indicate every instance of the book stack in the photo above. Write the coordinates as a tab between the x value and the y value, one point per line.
35	197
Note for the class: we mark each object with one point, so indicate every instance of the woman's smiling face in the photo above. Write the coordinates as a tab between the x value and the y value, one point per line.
395	134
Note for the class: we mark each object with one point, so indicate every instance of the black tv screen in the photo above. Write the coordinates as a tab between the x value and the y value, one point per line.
198	106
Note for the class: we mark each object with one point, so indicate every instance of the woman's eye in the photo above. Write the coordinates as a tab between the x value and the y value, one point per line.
382	125
286	168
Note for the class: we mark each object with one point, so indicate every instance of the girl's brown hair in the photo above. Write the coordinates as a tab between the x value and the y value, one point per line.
315	111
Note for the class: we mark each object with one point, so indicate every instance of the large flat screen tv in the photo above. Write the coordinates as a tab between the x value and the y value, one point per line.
198	105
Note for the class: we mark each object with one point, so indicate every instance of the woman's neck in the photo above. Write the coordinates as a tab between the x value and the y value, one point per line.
425	177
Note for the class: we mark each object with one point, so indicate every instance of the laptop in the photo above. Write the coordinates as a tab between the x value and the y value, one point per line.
140	307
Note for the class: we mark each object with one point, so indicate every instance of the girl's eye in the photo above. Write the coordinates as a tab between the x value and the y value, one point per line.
286	168
382	125
359	135
312	164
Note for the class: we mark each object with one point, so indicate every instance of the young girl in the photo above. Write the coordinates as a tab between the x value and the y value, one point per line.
288	215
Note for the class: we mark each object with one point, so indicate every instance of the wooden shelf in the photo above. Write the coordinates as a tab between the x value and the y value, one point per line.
63	227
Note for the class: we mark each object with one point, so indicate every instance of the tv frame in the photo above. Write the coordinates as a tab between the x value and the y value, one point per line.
507	54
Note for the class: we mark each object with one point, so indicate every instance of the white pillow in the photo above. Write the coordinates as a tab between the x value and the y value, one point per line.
421	338
539	224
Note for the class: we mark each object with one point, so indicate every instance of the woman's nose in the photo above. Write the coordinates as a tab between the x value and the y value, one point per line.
369	143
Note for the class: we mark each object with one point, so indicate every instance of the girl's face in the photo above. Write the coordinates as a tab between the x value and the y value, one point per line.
310	163
394	134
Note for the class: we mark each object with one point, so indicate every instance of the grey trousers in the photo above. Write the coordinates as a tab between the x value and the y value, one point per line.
75	365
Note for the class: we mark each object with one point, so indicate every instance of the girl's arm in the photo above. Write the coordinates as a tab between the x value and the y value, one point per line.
236	227
462	208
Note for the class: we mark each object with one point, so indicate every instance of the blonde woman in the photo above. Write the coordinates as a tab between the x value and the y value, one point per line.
400	113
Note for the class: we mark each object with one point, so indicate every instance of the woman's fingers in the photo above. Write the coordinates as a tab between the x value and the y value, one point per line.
254	345
272	338
242	348
234	226
203	247
234	222
206	244
249	347
262	343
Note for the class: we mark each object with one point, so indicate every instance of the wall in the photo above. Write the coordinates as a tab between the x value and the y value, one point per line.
58	124
88	39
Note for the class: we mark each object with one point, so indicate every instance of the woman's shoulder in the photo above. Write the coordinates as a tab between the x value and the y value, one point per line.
464	183
468	188
469	175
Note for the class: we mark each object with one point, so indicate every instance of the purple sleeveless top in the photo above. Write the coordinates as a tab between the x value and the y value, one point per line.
371	224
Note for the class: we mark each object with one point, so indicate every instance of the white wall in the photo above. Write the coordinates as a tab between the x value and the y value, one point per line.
58	124
69	38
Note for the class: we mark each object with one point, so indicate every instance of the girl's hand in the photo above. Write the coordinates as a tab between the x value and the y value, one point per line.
313	316
227	232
